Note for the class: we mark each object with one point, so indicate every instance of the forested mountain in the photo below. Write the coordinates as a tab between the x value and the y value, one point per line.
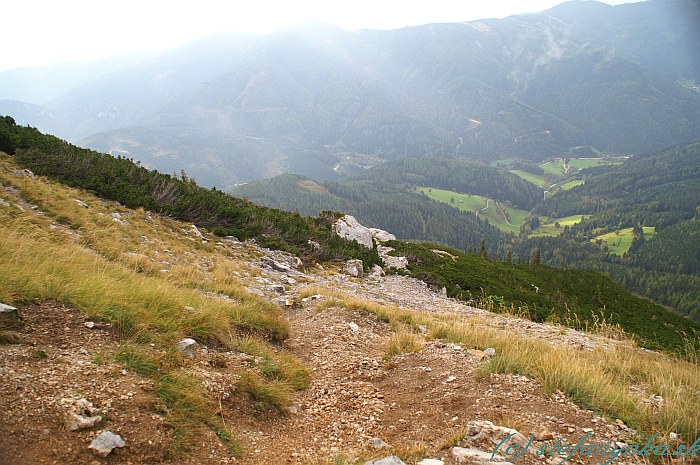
571	297
407	214
655	190
324	102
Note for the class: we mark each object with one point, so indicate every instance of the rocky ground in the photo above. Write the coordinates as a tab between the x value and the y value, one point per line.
358	405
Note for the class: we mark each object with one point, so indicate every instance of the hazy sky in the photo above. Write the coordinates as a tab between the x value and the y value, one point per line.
40	32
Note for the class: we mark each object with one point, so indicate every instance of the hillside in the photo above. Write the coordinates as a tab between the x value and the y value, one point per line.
291	363
322	102
657	191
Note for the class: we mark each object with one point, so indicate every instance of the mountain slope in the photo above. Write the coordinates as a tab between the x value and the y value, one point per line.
319	101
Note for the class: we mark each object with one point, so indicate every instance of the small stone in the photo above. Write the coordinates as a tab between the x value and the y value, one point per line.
80	203
588	430
188	347
477	354
490	352
464	455
430	462
450	379
390	460
353	327
256	291
107	441
89	324
9	318
543	435
377	443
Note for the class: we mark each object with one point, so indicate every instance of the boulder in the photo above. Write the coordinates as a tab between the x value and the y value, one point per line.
9	318
105	443
354	268
349	228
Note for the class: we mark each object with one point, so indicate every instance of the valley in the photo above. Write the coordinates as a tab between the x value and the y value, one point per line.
420	244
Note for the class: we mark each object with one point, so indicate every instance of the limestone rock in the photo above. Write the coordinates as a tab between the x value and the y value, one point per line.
353	327
9	318
196	232
543	435
80	203
380	235
464	455
349	228
188	347
490	352
105	443
390	460
486	434
377	443
81	414
400	263
354	268
431	462
377	271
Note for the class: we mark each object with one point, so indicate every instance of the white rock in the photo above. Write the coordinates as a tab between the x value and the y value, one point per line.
464	455
89	324
377	443
81	203
353	327
381	236
390	460
490	352
81	414
9	318
354	268
188	347
103	444
349	228
430	462
196	232
377	271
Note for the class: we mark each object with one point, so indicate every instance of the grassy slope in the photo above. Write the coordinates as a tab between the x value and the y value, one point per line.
109	270
568	296
474	203
113	271
620	241
548	226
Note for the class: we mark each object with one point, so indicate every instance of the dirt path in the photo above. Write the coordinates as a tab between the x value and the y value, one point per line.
415	403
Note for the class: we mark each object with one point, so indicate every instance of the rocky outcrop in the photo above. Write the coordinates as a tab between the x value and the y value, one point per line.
349	228
400	263
380	235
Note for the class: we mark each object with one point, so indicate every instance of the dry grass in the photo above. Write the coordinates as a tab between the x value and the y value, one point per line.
599	380
82	257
